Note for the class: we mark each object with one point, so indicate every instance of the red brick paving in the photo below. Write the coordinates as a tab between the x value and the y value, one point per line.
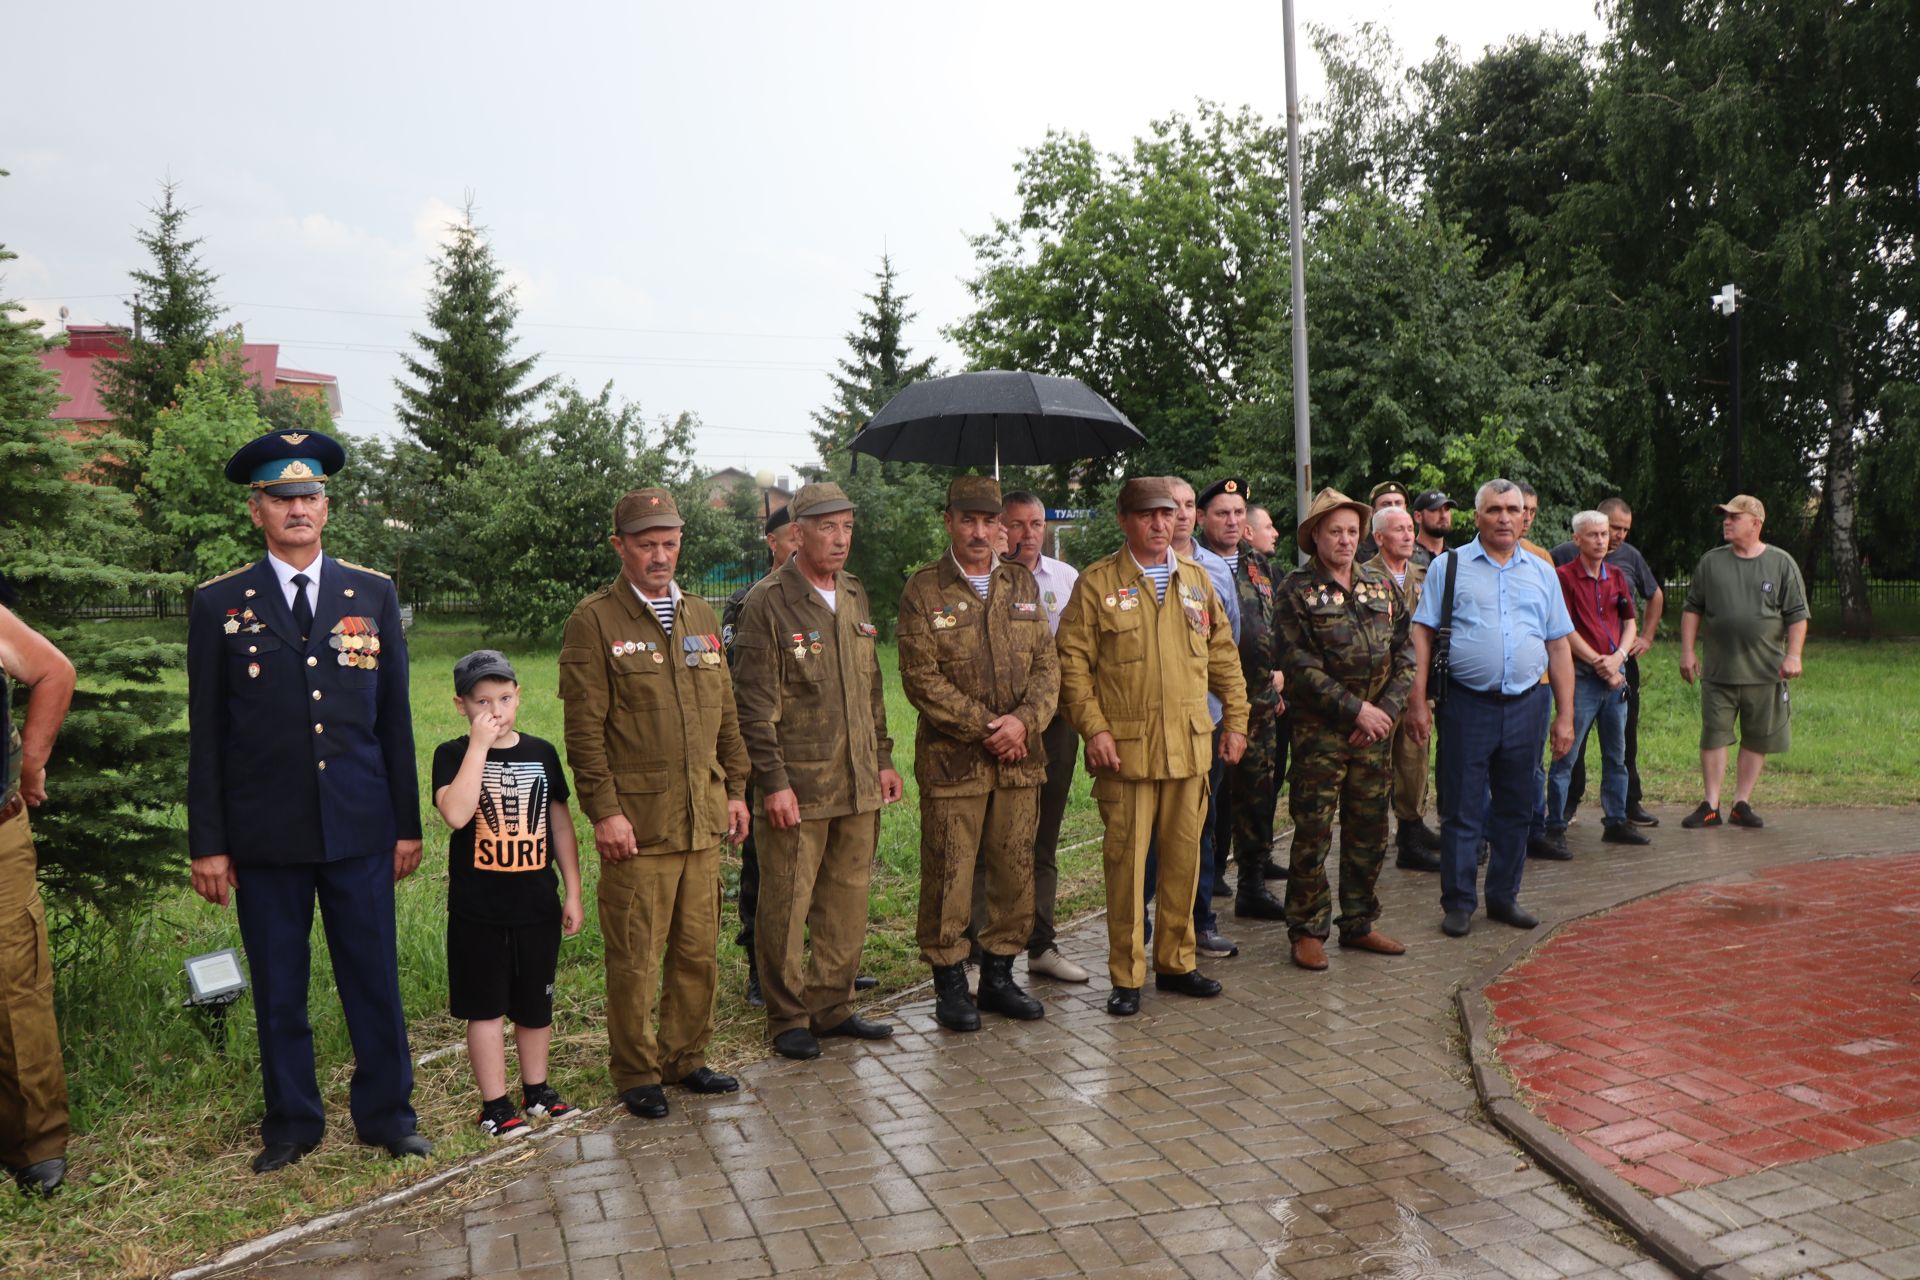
1721	1028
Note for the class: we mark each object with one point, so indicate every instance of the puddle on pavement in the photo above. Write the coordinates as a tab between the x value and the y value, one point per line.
1751	912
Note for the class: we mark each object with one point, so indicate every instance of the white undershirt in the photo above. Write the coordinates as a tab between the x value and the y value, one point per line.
829	597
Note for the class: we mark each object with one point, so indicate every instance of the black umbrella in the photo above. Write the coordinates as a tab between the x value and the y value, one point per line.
995	416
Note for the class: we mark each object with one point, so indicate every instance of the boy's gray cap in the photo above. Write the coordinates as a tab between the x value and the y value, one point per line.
481	664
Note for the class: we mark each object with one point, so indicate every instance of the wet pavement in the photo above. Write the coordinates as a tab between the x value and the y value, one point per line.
1302	1125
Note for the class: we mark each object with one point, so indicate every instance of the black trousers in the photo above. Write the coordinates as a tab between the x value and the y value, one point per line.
1577	786
749	885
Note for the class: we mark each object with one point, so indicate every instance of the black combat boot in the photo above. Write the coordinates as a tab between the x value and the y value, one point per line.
952	1006
999	993
1413	854
1254	901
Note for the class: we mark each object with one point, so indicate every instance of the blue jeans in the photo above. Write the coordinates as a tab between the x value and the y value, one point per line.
1488	758
1593	701
1204	920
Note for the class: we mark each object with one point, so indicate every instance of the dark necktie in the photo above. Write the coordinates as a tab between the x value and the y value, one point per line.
302	608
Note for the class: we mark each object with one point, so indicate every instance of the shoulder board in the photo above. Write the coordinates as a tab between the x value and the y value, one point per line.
360	568
228	574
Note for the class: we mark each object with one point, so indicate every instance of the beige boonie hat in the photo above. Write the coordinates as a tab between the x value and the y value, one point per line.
1329	501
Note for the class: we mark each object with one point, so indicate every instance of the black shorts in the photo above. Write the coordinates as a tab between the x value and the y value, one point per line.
502	970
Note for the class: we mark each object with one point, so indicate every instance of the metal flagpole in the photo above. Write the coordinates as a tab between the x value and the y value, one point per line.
1302	434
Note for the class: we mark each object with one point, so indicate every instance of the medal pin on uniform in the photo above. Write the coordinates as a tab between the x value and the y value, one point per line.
253	671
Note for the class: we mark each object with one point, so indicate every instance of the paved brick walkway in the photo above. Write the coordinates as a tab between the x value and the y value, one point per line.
1724	1028
1306	1126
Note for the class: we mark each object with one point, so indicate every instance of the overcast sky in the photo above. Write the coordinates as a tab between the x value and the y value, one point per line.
690	198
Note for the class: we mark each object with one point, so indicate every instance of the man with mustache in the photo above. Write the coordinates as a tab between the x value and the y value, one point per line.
302	787
977	662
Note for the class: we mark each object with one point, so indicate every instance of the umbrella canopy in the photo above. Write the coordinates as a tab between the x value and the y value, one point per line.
995	416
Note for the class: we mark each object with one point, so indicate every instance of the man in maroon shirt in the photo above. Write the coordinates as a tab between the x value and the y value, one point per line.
1600	601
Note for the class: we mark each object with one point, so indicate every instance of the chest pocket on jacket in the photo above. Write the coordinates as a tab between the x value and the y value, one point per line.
1123	637
253	661
641	683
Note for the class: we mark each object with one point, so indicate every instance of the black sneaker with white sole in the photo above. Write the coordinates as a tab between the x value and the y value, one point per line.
498	1119
541	1100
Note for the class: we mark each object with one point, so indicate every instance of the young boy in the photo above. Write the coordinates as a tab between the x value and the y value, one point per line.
505	797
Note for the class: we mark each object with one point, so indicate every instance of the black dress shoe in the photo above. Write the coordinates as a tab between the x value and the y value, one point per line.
1552	847
1637	814
864	982
648	1101
1256	902
1221	889
1457	924
1271	870
1511	913
754	999
860	1028
411	1145
796	1043
1621	833
707	1080
1191	983
42	1177
278	1155
1124	1002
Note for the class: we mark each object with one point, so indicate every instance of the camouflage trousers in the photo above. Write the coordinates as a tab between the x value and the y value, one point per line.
1254	788
1355	785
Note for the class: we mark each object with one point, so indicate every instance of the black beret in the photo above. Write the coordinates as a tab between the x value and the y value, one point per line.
1231	484
776	520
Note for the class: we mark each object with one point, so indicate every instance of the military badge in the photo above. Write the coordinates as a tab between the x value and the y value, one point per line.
1026	608
1111	601
253	671
232	625
866	629
799	645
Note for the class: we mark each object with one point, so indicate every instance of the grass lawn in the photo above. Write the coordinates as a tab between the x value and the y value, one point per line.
166	1103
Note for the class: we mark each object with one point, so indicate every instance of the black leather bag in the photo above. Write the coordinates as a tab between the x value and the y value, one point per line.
1441	658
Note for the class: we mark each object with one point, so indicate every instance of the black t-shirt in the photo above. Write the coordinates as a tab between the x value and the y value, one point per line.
500	866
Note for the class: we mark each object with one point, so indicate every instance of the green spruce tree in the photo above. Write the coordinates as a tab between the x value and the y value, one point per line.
107	835
175	315
467	391
897	521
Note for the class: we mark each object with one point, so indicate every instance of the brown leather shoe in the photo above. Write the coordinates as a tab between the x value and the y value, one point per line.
1375	941
1308	953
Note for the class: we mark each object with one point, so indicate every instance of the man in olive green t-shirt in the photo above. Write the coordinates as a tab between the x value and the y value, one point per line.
1754	603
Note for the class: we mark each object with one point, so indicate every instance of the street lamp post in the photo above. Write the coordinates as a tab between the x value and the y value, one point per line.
1727	303
1302	435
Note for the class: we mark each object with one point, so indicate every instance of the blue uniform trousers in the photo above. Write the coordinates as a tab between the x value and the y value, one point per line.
356	909
1489	754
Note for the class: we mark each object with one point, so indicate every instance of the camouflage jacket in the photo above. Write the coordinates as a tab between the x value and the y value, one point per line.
1342	646
1253	581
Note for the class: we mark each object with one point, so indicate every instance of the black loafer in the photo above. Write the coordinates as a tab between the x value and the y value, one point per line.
796	1043
707	1080
1457	924
412	1145
1511	913
1191	983
860	1028
42	1177
1124	1002
646	1101
278	1155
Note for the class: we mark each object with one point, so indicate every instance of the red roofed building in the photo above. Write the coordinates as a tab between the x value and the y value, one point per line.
87	344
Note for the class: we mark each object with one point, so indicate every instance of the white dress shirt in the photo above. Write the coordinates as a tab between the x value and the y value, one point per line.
284	571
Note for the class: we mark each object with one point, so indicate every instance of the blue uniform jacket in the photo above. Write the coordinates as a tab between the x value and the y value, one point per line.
294	757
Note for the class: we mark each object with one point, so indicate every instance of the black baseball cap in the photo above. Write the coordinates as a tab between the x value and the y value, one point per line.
481	664
1433	500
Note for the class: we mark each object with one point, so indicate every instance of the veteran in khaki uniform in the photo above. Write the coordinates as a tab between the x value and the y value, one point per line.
978	664
814	716
1418	845
661	770
1345	641
1143	642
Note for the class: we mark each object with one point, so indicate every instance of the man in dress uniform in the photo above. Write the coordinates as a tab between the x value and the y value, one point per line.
1344	633
1144	640
783	538
302	787
814	715
660	770
1253	784
977	662
33	1081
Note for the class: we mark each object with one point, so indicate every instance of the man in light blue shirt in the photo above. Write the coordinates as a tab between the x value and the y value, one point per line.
1510	624
1207	941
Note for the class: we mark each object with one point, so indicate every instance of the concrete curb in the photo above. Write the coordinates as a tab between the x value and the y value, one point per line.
1656	1230
258	1247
